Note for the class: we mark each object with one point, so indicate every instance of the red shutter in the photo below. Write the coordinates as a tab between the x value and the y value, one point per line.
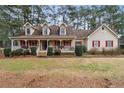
92	43
98	43
111	43
106	43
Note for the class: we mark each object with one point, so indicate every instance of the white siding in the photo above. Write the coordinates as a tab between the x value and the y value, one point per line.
102	36
31	30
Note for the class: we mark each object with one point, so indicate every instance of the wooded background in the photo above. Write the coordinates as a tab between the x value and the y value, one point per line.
85	17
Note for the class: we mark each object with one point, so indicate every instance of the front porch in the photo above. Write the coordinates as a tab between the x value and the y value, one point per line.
66	46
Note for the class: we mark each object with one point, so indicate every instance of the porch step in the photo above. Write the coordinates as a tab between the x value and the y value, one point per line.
42	53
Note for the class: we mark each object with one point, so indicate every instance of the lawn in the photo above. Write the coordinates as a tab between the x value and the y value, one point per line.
62	72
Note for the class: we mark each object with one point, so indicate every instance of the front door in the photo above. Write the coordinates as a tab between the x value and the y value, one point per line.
44	45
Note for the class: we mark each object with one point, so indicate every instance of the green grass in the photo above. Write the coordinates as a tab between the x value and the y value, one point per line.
95	67
16	66
44	64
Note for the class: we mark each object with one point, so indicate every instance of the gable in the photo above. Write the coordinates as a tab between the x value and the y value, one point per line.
102	29
28	26
102	34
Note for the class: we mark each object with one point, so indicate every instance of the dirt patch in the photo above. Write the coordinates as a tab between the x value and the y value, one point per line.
8	79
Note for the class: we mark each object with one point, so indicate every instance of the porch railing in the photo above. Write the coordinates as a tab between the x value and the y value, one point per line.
65	48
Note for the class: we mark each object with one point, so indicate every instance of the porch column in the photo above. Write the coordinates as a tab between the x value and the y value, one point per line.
47	44
60	42
19	43
39	45
73	43
12	45
26	43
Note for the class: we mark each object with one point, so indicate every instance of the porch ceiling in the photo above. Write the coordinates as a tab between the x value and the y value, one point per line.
43	37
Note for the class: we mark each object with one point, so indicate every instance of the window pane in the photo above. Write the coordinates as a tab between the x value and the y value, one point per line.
28	31
62	31
96	44
45	30
109	43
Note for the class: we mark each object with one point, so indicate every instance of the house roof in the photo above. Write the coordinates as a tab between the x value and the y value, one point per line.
54	32
80	34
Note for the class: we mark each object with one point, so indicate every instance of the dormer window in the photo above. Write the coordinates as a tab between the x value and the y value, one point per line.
62	31
45	30
28	31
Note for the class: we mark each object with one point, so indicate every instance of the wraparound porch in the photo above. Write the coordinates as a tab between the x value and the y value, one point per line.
42	45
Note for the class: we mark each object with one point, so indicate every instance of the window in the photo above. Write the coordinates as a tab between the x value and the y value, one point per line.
109	43
28	31
96	43
62	31
15	43
45	30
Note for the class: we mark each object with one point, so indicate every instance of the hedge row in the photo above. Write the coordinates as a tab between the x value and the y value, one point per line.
94	51
18	52
79	50
50	51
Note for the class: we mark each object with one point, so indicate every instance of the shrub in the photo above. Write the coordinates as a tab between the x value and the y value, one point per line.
78	50
50	51
26	52
33	50
121	51
57	52
17	52
13	53
7	52
110	52
84	48
121	46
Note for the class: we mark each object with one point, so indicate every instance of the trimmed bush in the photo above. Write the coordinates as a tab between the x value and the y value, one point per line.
7	52
17	52
78	50
13	53
84	48
33	50
57	52
26	52
50	51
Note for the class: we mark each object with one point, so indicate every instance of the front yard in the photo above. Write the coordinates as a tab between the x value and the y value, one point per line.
62	72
